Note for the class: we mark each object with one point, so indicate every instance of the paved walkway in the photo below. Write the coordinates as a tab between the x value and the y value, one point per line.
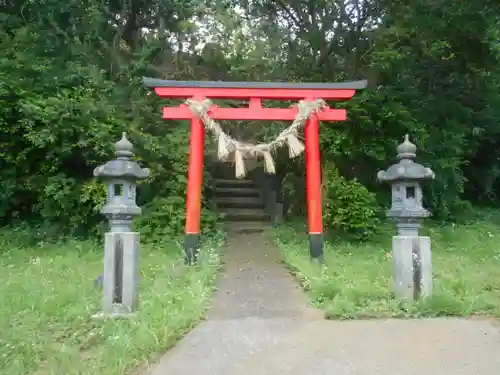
261	324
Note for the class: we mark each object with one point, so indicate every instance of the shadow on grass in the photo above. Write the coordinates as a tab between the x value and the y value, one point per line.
356	280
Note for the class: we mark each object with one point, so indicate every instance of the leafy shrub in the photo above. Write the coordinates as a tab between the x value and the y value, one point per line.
348	206
65	126
166	216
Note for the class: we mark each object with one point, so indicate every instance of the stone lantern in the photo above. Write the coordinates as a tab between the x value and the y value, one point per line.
411	252
121	249
405	177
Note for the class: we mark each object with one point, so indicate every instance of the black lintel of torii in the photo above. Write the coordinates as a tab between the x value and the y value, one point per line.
350	85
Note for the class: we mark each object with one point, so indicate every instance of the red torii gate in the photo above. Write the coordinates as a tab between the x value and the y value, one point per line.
255	92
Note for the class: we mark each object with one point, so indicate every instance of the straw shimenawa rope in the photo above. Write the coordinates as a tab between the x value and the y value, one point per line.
228	145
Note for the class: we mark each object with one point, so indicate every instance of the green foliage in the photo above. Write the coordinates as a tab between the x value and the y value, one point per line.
293	185
61	110
433	72
164	217
348	206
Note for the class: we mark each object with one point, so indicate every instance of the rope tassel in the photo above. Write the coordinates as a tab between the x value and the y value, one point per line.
222	150
268	163
295	147
227	145
239	164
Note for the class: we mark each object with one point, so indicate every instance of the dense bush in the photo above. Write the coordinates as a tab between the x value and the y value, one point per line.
166	216
348	206
55	133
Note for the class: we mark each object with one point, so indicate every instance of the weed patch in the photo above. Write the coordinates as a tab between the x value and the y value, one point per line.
356	279
48	297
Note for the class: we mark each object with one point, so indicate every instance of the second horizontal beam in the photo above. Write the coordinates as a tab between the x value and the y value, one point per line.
250	114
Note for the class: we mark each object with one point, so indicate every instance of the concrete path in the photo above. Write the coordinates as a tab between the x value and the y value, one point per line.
261	324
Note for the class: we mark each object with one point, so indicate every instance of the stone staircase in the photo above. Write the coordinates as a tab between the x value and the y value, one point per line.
242	206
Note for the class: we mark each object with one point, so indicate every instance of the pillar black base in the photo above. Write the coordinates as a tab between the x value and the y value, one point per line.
316	247
191	248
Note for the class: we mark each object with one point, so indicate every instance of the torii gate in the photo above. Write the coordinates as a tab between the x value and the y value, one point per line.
255	92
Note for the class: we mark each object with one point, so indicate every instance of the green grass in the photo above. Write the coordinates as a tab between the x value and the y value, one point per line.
47	299
356	279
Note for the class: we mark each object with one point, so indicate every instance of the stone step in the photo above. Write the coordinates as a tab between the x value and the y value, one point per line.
238	201
245	214
247	226
237	192
220	183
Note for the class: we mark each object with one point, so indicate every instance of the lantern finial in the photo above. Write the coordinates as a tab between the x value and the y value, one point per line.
407	150
123	147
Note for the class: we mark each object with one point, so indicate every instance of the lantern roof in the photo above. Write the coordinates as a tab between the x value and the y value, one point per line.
123	166
406	168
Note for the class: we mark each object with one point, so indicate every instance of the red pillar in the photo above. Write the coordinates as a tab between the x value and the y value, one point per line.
194	190
313	186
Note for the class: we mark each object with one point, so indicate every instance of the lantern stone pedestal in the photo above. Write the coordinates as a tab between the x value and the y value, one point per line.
121	273
411	253
121	246
411	257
